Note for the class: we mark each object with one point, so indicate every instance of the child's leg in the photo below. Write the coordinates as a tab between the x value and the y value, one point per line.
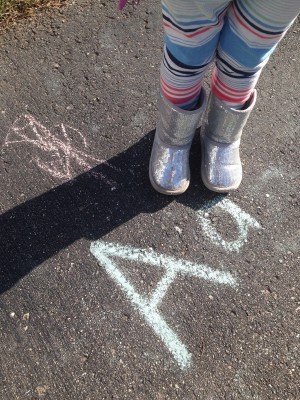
251	32
192	29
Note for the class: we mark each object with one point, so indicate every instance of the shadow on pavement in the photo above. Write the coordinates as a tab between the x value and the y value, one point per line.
85	207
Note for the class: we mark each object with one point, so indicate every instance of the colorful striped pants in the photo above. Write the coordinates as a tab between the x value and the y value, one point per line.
240	35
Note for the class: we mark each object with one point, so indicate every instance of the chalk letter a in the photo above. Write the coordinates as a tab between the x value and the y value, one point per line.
244	222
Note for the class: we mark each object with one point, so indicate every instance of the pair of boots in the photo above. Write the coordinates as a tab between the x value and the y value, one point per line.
221	168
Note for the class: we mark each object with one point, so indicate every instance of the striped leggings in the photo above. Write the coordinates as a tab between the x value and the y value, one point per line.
240	35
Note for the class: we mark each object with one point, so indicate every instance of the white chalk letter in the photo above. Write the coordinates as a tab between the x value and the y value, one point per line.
148	306
243	220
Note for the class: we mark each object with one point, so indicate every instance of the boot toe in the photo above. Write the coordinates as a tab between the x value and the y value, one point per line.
221	168
169	168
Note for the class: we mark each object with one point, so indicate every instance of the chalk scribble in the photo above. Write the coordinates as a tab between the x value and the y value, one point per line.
56	144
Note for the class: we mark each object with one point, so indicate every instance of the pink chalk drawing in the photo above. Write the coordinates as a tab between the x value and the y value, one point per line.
66	159
122	3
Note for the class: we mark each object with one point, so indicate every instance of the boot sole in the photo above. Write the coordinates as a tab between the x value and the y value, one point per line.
168	192
217	189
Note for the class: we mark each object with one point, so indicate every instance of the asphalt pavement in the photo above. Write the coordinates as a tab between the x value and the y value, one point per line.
108	289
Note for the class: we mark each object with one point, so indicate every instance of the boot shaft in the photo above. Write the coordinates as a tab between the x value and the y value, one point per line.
224	124
176	127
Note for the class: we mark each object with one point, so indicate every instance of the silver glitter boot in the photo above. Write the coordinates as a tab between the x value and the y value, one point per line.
221	168
169	169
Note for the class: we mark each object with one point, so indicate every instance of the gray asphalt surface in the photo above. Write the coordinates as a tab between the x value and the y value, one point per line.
78	110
